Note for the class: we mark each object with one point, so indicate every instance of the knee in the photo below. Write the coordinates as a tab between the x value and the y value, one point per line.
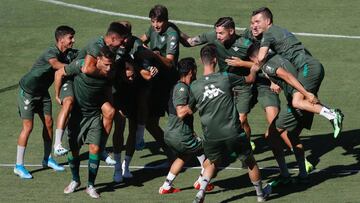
94	149
48	122
243	118
68	103
108	112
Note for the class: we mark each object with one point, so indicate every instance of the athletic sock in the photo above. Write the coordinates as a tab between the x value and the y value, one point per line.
58	136
204	182
127	161
258	187
139	132
284	172
201	159
93	167
74	164
117	158
168	182
20	155
47	149
327	113
302	167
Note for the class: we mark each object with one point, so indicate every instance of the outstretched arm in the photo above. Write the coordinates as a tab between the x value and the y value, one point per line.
237	62
183	110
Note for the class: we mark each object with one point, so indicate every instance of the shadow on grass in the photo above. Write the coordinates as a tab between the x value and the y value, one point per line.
317	145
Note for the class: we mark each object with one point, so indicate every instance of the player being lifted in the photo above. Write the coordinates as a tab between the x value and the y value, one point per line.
34	97
223	135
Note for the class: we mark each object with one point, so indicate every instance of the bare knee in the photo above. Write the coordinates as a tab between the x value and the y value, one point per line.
108	111
68	103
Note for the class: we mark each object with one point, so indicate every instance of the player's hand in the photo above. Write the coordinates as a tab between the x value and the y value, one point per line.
312	98
233	61
255	67
58	100
275	88
153	71
157	52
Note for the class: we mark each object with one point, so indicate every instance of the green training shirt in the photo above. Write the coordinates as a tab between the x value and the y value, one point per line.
90	92
40	77
92	48
213	97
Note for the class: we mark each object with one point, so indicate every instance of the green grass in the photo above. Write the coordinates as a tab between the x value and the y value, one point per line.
27	27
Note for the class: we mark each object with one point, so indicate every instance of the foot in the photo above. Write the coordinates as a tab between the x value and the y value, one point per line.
280	181
266	193
337	122
107	158
118	178
209	187
59	150
51	163
200	197
309	167
21	171
163	191
91	191
72	187
126	171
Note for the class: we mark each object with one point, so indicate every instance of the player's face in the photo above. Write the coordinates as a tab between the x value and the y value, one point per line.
68	41
104	65
259	24
223	34
117	41
159	26
129	72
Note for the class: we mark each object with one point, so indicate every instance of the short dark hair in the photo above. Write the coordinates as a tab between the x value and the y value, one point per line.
226	22
118	28
106	52
159	12
265	11
253	49
185	65
208	53
63	30
126	24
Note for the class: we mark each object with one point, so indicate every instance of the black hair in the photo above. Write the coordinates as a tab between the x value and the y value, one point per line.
63	30
265	11
208	53
106	52
253	49
185	65
159	12
118	28
226	22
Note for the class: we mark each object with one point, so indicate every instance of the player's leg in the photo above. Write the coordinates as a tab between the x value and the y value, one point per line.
93	166
108	112
26	107
67	102
175	169
118	140
74	165
142	100
209	172
130	148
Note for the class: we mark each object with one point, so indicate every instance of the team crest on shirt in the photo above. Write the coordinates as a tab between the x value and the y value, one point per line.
235	48
211	92
162	38
268	69
26	102
181	89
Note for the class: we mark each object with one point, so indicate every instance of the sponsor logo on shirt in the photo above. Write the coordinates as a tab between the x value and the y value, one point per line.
211	92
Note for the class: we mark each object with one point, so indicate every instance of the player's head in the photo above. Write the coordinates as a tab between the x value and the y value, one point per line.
159	18
208	55
105	59
261	20
129	69
117	35
65	36
253	51
225	29
187	68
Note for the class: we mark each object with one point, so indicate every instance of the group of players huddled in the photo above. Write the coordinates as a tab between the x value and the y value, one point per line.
119	77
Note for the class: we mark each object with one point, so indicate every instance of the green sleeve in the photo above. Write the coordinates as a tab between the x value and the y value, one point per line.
51	53
270	67
180	95
93	50
207	37
74	68
235	80
148	33
267	39
172	44
247	33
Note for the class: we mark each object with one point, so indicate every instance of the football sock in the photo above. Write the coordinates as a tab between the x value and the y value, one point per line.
117	158
58	136
204	182
258	187
201	159
93	167
20	155
140	132
47	149
127	161
74	164
168	182
302	167
327	113
284	172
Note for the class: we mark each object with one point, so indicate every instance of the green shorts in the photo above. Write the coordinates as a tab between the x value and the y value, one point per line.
290	118
244	99
311	75
84	130
183	147
265	96
216	150
29	104
67	89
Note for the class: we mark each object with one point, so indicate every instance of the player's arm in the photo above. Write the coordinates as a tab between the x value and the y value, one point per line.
252	75
183	110
89	66
237	62
56	64
167	61
291	80
188	41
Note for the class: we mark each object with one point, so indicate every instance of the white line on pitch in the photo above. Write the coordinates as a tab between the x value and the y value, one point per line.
180	21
